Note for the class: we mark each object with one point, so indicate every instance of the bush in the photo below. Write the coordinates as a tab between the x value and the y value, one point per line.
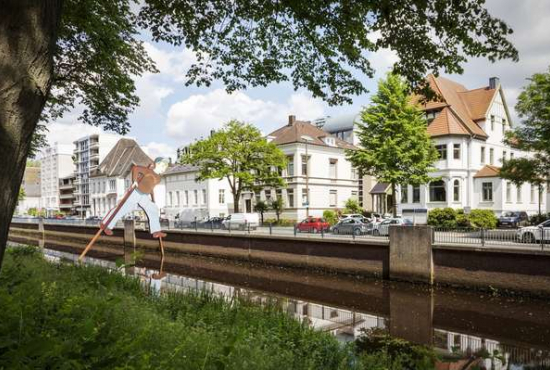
451	218
82	317
442	217
537	219
281	222
352	206
483	218
331	217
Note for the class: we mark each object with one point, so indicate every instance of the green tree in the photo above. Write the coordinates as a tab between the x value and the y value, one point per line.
261	207
395	146
532	170
352	206
533	108
60	53
278	206
241	155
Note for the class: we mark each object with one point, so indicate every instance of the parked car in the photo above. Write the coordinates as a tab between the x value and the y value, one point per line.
313	225
208	223
534	234
241	221
351	225
513	219
355	216
383	228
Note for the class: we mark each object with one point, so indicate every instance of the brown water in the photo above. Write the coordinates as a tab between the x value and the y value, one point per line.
516	330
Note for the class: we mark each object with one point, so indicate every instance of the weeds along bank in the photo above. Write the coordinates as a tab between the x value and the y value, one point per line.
82	317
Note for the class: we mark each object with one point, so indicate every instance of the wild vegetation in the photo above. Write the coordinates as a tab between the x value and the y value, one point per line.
59	315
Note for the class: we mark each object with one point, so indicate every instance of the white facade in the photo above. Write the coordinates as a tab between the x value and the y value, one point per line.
328	175
56	162
209	198
463	185
88	152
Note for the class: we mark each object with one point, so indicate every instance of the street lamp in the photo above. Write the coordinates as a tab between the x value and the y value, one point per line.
307	139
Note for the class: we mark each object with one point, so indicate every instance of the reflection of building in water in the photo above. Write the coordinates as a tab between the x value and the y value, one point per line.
344	324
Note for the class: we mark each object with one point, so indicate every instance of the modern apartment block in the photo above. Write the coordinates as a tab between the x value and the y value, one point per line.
56	162
66	194
88	153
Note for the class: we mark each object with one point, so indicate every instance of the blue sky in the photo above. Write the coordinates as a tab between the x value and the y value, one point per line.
171	114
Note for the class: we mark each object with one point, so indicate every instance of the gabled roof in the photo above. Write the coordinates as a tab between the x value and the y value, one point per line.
380	188
467	106
294	130
121	158
446	123
488	171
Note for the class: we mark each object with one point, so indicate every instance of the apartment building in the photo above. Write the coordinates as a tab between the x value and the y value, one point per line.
318	174
56	162
88	153
66	194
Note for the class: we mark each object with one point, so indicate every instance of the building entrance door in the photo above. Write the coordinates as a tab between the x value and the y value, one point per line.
248	205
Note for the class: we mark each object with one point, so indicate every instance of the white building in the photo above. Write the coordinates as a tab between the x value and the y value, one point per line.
31	187
56	162
88	153
318	175
207	198
110	180
468	128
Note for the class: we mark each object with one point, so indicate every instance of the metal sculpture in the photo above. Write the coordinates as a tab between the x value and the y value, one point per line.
140	193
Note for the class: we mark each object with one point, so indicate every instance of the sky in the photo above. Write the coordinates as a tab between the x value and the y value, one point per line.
171	115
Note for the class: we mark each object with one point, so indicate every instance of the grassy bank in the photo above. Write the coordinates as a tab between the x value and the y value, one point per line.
73	317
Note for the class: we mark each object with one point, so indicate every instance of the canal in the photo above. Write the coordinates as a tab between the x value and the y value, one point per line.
499	331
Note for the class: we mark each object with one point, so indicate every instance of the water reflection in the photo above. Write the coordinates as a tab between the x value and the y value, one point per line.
471	330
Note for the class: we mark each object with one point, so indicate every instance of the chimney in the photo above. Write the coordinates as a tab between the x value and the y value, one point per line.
493	82
291	120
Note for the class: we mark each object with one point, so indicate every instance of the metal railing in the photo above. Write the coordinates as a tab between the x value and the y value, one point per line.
534	237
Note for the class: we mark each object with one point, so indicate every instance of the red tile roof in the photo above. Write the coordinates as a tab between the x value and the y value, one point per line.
293	132
465	107
488	171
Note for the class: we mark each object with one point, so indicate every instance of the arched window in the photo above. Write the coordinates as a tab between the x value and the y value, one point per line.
437	191
456	190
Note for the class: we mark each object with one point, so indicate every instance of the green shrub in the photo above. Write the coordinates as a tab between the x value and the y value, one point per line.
281	222
352	206
82	317
537	219
442	217
330	216
483	218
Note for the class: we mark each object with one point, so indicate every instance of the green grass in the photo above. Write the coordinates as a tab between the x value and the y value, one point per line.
72	317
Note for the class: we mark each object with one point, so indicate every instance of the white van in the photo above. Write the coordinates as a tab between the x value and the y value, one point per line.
241	221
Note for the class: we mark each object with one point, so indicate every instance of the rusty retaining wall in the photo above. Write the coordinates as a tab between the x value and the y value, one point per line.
487	269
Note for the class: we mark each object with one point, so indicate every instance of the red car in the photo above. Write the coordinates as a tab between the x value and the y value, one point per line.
313	224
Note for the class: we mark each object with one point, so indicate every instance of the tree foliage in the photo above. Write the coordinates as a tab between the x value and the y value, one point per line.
532	135
395	146
278	206
261	207
241	155
352	206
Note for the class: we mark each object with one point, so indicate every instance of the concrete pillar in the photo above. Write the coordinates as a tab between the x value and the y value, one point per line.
129	234
411	315
411	253
41	231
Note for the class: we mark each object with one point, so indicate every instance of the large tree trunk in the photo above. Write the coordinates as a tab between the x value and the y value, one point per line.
27	40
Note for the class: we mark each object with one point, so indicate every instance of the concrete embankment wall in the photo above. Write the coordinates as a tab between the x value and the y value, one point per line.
409	257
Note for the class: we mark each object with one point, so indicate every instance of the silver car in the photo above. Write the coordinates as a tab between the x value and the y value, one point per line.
383	228
534	234
350	226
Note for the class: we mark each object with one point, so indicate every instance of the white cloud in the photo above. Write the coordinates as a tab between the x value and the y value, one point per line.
195	116
66	133
155	149
174	63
